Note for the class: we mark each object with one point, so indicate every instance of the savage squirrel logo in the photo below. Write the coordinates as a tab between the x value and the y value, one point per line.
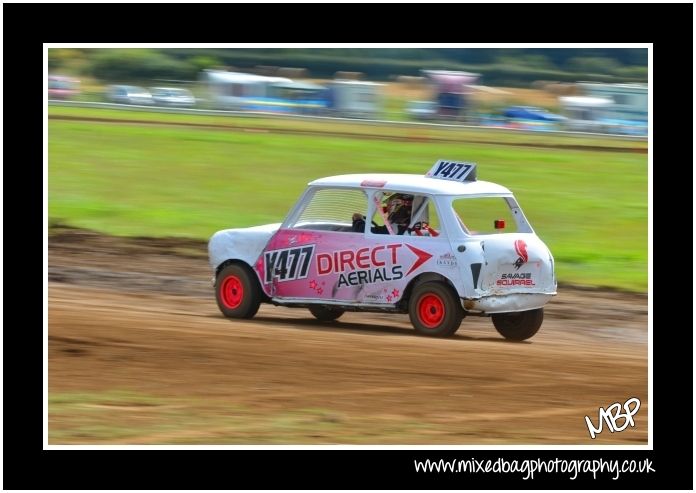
516	279
521	249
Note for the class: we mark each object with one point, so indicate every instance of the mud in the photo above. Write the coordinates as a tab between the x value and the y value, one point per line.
138	317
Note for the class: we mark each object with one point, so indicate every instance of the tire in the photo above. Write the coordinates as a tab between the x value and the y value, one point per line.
435	310
518	326
326	313
237	292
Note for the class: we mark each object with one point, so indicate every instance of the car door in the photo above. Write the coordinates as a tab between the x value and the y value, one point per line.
301	260
308	264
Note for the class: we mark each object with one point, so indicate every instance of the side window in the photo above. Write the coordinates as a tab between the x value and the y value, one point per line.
413	215
380	212
425	221
332	210
431	216
392	207
484	215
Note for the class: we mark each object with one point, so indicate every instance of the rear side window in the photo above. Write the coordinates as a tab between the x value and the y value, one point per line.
484	215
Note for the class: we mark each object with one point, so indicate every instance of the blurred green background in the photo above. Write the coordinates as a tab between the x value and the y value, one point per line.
587	199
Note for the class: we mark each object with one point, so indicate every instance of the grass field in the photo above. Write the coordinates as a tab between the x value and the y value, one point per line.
357	129
589	206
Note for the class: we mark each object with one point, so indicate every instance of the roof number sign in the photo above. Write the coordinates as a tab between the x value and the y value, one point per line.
453	170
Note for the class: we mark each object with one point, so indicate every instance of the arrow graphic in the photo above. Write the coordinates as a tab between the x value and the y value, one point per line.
423	257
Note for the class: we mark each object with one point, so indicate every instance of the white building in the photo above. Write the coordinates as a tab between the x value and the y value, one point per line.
356	99
629	101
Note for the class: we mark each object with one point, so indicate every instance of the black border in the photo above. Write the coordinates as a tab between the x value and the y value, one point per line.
27	466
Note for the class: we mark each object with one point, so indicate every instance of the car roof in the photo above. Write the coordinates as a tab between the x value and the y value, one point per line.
415	184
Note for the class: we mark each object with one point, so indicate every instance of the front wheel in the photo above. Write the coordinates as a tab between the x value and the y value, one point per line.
518	326
326	313
237	292
435	310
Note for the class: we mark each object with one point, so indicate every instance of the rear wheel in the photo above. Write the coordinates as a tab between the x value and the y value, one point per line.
237	292
326	313
434	309
518	326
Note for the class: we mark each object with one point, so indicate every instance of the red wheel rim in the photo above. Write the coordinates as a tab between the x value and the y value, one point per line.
232	292
431	310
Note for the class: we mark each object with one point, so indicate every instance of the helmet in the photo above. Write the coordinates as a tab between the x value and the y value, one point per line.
398	207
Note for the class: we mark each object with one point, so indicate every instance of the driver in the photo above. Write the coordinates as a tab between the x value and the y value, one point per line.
398	209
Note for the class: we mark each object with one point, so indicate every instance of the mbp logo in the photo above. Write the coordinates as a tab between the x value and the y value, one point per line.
612	414
288	264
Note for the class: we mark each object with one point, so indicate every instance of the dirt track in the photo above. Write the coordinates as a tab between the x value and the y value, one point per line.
139	353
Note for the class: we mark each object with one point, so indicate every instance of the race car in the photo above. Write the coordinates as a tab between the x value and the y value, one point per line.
439	247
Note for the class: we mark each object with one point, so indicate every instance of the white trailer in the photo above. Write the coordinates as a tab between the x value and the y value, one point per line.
355	99
585	114
236	90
